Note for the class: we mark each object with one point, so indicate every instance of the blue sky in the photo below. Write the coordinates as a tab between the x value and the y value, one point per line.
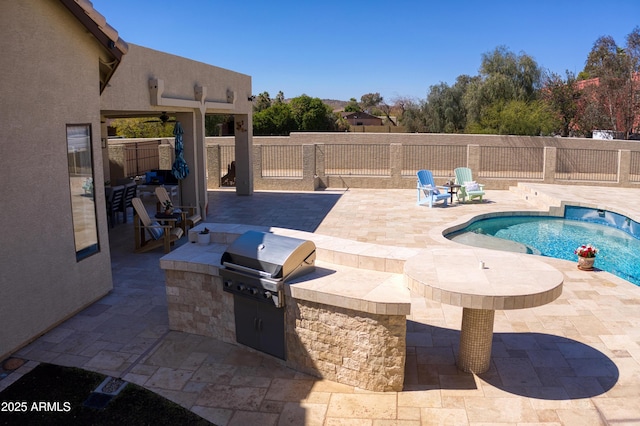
344	49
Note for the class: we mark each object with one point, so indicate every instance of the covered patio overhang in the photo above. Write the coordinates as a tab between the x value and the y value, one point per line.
149	83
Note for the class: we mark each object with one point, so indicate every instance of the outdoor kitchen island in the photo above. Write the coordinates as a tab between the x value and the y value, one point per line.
344	321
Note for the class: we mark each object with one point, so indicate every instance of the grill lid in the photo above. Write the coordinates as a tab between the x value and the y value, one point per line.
276	256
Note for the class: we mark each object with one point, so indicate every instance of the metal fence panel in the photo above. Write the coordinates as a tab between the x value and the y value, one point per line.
634	169
141	157
511	162
282	161
227	156
586	164
357	160
441	160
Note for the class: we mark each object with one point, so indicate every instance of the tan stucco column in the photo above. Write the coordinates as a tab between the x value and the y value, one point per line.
549	171
244	154
194	186
473	157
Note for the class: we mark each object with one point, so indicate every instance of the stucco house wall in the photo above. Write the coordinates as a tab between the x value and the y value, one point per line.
57	70
128	90
50	78
362	119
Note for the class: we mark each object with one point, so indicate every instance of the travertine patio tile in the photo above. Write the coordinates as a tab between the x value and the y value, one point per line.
255	381
516	372
303	414
217	416
514	409
169	378
194	360
452	401
428	398
244	418
337	421
269	406
409	413
214	373
57	335
95	347
399	422
70	360
185	399
317	398
459	385
289	390
331	387
367	406
581	417
138	379
232	397
445	416
108	360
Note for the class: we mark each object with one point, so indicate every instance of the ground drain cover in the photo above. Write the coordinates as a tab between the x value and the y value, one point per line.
105	392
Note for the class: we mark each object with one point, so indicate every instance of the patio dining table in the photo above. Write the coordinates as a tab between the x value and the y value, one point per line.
481	281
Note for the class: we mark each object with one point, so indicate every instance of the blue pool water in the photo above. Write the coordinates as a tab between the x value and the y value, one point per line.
556	237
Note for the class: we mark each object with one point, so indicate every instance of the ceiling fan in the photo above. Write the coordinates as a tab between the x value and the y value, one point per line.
163	118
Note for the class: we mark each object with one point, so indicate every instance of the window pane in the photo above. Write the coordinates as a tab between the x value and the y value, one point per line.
82	190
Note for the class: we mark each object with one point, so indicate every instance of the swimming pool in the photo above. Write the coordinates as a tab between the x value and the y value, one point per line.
614	235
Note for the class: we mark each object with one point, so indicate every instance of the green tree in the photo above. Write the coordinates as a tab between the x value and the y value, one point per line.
274	120
352	106
214	124
561	97
369	101
413	116
504	77
515	118
603	58
311	114
632	109
300	114
616	94
445	110
526	118
144	127
262	102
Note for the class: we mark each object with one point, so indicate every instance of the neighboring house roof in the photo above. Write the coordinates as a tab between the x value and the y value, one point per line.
361	115
104	33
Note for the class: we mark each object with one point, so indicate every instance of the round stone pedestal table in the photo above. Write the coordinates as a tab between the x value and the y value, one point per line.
481	281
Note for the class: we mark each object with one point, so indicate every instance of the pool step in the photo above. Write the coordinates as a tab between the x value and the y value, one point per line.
537	198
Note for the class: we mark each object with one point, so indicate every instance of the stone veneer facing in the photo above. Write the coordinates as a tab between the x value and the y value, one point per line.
198	305
347	346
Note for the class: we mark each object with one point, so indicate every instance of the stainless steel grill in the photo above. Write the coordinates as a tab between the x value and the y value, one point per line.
257	264
256	267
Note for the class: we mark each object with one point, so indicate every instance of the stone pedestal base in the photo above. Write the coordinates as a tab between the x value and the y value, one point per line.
476	337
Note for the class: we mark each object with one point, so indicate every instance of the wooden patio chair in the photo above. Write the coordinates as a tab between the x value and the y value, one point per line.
190	215
432	193
150	234
468	187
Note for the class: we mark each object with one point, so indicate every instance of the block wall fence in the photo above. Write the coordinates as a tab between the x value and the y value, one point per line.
313	161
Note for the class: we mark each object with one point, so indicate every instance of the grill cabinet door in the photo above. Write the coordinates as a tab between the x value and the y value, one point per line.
259	326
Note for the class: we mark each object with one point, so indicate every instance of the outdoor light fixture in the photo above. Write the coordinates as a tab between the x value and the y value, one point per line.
251	98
